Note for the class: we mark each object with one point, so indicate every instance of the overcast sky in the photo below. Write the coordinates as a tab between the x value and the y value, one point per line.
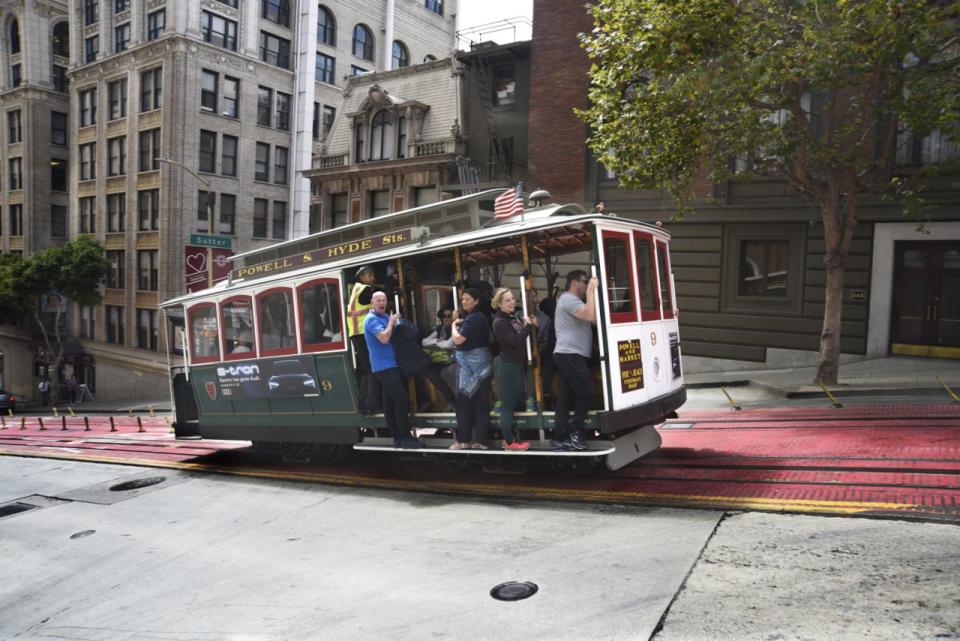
478	12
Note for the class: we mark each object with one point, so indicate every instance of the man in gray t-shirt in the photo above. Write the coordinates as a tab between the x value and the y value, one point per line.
573	324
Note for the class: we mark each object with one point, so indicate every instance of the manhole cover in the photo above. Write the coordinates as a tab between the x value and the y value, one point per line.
15	508
136	484
514	591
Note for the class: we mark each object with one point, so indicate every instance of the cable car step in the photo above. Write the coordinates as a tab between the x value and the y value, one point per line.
594	449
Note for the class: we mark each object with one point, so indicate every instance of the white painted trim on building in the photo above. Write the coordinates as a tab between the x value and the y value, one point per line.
301	154
881	277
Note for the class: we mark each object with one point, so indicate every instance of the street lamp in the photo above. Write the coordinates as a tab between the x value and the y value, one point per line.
211	196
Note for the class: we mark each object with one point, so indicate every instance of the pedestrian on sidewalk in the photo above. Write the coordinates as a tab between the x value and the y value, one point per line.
44	388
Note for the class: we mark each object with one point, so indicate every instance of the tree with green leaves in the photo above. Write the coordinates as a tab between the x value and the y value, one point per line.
818	92
74	272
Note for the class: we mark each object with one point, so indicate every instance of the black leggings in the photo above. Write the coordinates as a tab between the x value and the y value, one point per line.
474	411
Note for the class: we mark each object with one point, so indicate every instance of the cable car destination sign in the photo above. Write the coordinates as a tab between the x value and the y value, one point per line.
346	249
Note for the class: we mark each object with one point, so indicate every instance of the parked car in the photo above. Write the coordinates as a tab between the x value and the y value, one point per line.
7	401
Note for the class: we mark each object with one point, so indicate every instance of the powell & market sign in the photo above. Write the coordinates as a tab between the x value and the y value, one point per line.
332	252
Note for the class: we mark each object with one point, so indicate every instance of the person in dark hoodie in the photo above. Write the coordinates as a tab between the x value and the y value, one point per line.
510	331
415	363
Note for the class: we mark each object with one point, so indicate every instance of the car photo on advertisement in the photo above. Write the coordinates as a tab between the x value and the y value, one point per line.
289	379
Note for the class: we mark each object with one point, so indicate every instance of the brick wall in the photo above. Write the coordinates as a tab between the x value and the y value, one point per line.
557	151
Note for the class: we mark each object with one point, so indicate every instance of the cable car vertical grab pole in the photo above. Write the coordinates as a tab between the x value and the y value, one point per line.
526	283
601	338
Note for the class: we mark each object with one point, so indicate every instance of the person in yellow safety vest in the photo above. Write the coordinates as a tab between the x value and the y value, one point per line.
370	400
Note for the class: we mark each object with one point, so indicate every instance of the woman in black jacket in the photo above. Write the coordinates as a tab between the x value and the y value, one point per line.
510	331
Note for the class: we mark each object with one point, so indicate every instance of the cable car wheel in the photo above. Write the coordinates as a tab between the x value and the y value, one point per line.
452	462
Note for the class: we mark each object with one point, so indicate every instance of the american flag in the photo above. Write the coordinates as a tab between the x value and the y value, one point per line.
509	203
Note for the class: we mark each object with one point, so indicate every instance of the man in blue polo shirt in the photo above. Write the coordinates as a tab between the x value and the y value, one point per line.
377	330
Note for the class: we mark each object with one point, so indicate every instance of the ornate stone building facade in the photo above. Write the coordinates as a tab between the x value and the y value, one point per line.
188	124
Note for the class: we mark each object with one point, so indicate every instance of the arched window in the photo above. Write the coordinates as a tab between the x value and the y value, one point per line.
381	130
363	42
61	39
401	57
14	36
326	27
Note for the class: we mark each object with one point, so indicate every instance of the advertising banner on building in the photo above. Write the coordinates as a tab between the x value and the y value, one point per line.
206	266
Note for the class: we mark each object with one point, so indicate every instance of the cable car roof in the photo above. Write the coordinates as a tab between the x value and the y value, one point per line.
532	220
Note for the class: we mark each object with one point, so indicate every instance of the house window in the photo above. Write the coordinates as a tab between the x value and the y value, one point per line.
14	129
329	115
120	5
228	156
58	128
151	86
88	161
358	140
60	81
424	196
504	86
261	171
15	77
401	137
148	266
117	95
208	90
936	147
58	175
229	3
58	221
381	130
88	322
147	335
363	42
264	106
219	31
435	5
358	71
148	209
156	24
121	38
208	151
88	215
116	212
231	97
378	202
88	107
116	330
16	220
283	111
91	48
326	27
206	202
277	11
274	51
115	274
16	173
91	12
338	210
150	150
401	57
60	43
261	211
763	269
325	70
279	220
228	213
316	121
280	163
117	156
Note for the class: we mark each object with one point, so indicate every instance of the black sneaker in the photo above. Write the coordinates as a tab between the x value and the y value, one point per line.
410	443
578	442
563	445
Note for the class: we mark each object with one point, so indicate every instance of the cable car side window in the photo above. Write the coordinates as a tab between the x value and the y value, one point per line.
276	322
663	269
649	307
204	336
236	319
321	324
619	287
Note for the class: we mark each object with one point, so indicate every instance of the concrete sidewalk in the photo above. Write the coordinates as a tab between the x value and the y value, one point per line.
880	376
